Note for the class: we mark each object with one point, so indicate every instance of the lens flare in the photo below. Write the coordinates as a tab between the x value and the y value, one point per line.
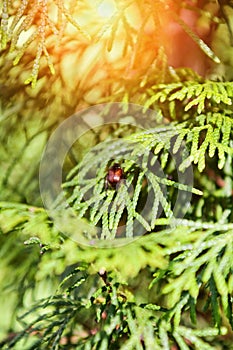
106	8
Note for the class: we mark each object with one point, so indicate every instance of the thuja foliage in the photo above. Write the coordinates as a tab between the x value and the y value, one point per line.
171	287
95	308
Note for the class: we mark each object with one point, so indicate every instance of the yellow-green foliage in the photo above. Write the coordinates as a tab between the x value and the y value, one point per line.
170	287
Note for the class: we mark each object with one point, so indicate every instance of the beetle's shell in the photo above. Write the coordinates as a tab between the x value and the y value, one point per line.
115	175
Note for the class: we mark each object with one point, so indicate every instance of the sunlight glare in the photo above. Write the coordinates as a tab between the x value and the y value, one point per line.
106	8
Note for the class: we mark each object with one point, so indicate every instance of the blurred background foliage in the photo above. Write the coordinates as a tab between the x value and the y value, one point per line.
172	288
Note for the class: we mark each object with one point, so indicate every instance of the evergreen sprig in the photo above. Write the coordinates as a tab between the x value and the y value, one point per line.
202	264
36	19
137	154
117	319
142	155
193	94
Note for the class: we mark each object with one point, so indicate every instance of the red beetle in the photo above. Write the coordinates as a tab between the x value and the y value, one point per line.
114	176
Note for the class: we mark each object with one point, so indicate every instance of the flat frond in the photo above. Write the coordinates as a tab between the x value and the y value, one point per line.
145	156
194	95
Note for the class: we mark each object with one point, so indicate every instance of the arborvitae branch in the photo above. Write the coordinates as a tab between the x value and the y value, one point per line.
168	289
